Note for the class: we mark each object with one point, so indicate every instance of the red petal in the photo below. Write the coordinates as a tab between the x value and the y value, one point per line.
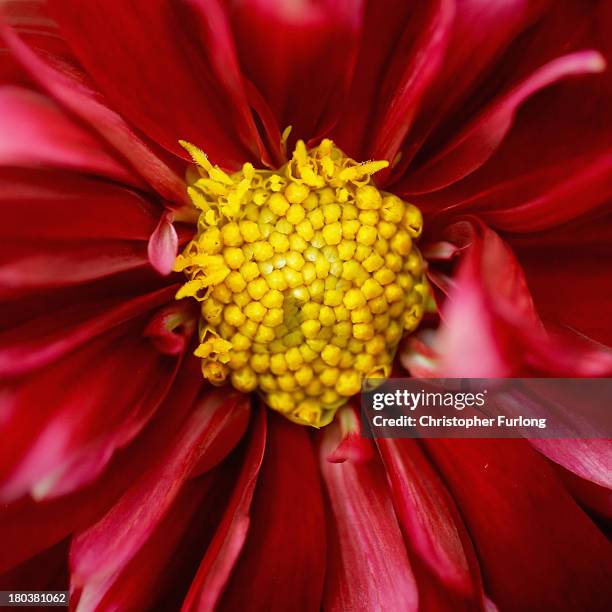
191	91
418	67
55	265
353	446
580	188
68	86
141	583
27	527
555	162
102	552
172	327
63	424
568	271
379	35
48	571
480	33
35	132
223	552
46	206
536	547
477	141
368	567
287	508
589	495
50	239
432	526
41	341
589	459
490	327
300	56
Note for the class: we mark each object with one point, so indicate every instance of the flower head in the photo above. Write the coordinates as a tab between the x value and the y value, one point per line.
143	158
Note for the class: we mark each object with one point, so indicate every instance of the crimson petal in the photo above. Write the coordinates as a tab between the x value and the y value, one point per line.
491	328
287	507
368	567
433	528
40	341
122	532
68	86
537	548
27	527
477	141
425	58
300	56
68	419
225	548
192	90
35	132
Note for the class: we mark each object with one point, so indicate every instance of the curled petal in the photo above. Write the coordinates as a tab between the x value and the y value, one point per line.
171	328
162	248
353	446
491	327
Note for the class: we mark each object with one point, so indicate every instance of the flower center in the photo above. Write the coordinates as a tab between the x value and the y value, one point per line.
308	278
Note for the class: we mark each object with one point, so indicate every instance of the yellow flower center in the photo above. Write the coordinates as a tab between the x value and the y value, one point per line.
308	278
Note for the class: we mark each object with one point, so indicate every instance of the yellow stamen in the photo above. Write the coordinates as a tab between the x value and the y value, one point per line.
308	278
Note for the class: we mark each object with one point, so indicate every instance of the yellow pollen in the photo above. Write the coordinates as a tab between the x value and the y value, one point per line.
308	278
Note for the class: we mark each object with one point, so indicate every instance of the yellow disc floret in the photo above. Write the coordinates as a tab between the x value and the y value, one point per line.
308	278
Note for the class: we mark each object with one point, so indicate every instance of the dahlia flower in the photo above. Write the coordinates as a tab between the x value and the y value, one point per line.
218	218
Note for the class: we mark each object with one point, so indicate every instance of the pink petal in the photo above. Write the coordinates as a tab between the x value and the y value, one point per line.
491	328
162	247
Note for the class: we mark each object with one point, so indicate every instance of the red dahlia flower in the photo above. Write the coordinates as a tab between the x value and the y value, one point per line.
124	474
